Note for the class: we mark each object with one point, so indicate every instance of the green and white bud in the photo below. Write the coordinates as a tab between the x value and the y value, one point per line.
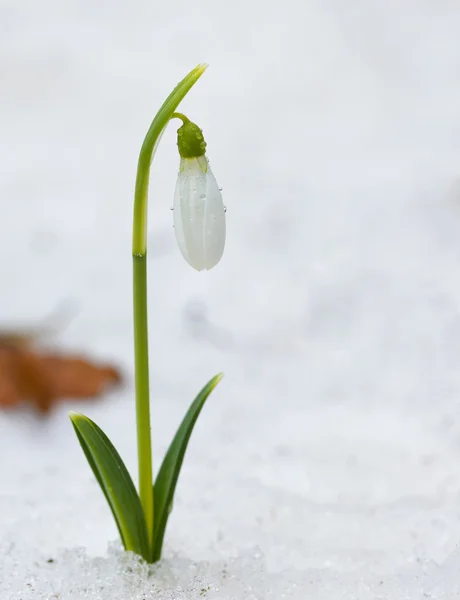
199	212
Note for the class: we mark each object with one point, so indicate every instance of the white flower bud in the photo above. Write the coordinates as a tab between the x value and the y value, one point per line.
199	214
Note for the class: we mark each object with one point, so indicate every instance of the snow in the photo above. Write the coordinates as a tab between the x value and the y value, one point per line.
327	462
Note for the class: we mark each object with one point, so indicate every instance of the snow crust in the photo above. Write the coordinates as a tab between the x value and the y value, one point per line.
124	576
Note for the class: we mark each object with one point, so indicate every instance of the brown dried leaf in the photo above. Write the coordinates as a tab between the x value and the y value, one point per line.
45	378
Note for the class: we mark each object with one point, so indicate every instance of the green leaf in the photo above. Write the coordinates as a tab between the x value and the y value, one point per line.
115	482
165	483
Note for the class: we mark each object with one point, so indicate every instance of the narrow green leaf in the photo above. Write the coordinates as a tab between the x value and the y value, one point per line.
115	482
165	483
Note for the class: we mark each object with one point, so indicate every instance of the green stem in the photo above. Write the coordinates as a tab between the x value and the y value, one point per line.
141	359
183	118
141	351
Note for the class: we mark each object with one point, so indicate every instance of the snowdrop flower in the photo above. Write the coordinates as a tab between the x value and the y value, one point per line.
199	212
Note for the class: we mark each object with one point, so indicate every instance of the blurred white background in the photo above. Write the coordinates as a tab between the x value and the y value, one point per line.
334	130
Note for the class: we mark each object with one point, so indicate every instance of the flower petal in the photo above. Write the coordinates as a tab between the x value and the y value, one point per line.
199	214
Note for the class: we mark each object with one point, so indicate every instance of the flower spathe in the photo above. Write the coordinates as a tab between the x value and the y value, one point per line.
199	214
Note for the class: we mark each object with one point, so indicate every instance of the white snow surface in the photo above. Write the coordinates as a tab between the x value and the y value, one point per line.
326	465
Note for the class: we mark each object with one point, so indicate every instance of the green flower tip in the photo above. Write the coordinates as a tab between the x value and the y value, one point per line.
190	140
